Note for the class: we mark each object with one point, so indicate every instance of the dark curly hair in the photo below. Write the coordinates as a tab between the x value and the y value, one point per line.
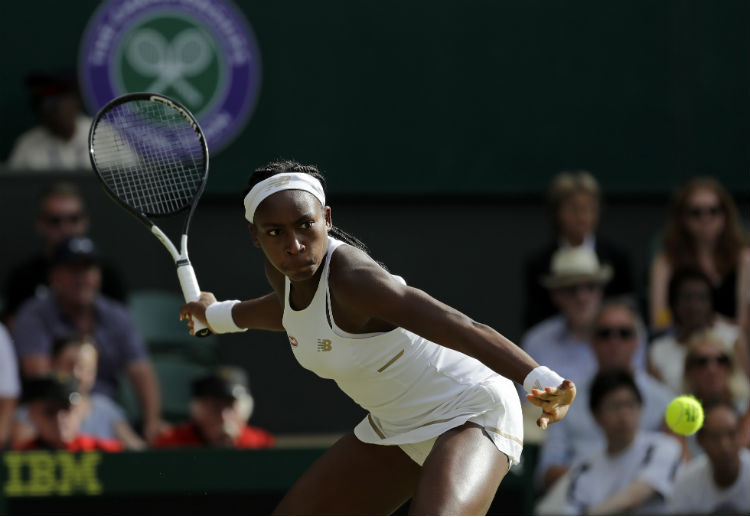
282	166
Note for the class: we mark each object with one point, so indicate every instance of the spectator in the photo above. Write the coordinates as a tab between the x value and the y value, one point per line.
74	305
615	341
100	416
220	407
574	202
634	472
51	400
711	374
60	140
61	214
575	285
717	482
691	303
703	231
9	385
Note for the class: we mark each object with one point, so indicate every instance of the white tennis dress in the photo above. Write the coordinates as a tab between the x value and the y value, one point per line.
414	389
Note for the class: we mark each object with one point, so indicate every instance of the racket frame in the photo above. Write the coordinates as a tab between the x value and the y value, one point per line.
185	272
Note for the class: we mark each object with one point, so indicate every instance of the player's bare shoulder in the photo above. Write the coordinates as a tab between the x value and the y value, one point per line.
355	274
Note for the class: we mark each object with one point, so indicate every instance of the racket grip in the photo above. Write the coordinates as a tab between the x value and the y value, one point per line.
191	292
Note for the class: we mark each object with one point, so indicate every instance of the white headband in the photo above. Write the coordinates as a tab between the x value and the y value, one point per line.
279	182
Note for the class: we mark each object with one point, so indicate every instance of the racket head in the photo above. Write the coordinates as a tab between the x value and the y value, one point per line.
150	154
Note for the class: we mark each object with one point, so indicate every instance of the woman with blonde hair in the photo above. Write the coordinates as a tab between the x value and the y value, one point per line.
712	372
703	231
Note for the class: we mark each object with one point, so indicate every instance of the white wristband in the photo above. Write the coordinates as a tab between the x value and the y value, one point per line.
541	377
219	317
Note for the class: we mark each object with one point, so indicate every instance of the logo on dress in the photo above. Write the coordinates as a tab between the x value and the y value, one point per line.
293	341
324	345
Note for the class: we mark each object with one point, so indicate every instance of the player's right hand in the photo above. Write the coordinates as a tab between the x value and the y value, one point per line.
197	310
554	402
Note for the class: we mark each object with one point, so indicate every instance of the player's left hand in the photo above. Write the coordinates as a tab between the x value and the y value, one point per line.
554	402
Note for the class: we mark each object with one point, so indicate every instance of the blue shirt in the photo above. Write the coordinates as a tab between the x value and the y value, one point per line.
104	414
40	322
550	344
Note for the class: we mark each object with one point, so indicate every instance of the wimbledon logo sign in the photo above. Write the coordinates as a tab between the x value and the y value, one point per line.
200	52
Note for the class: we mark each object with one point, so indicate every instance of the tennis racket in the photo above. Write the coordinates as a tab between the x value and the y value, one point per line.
151	157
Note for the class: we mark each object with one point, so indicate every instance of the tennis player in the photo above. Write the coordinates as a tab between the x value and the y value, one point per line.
444	423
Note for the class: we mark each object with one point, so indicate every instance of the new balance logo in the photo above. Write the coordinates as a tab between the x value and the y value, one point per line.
324	345
278	182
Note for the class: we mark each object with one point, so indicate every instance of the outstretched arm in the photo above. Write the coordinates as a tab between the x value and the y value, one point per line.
262	313
363	287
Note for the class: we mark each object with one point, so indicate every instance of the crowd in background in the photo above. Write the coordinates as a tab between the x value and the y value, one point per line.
68	342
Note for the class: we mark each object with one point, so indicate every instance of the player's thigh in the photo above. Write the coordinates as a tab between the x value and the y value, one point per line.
461	474
353	478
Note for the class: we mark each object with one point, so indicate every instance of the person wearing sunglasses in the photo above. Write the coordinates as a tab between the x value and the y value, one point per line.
61	213
616	336
574	202
691	301
712	373
576	285
703	231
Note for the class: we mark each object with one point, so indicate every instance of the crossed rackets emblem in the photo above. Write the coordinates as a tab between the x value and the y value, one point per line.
170	62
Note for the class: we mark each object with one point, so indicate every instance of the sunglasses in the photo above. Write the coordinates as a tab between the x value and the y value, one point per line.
701	361
698	212
570	290
610	332
59	219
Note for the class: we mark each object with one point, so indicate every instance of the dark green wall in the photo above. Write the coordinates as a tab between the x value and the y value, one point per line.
465	97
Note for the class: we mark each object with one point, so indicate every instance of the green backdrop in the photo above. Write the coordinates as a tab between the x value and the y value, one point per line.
454	97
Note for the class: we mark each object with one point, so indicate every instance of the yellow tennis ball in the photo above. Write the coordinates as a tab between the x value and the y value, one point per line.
684	415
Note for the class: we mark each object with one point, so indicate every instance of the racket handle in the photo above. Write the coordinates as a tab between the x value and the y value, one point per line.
191	292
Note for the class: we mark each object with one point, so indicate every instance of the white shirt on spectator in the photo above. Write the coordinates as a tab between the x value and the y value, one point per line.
9	384
653	458
696	493
577	435
38	149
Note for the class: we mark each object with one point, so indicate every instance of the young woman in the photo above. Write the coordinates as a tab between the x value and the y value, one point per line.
445	422
703	231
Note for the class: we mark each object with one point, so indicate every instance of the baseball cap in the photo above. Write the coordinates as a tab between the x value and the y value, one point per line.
75	249
225	382
57	387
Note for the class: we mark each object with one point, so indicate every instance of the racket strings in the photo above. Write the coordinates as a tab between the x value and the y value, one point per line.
149	156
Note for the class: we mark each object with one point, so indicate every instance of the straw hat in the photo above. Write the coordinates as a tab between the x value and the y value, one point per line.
572	266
